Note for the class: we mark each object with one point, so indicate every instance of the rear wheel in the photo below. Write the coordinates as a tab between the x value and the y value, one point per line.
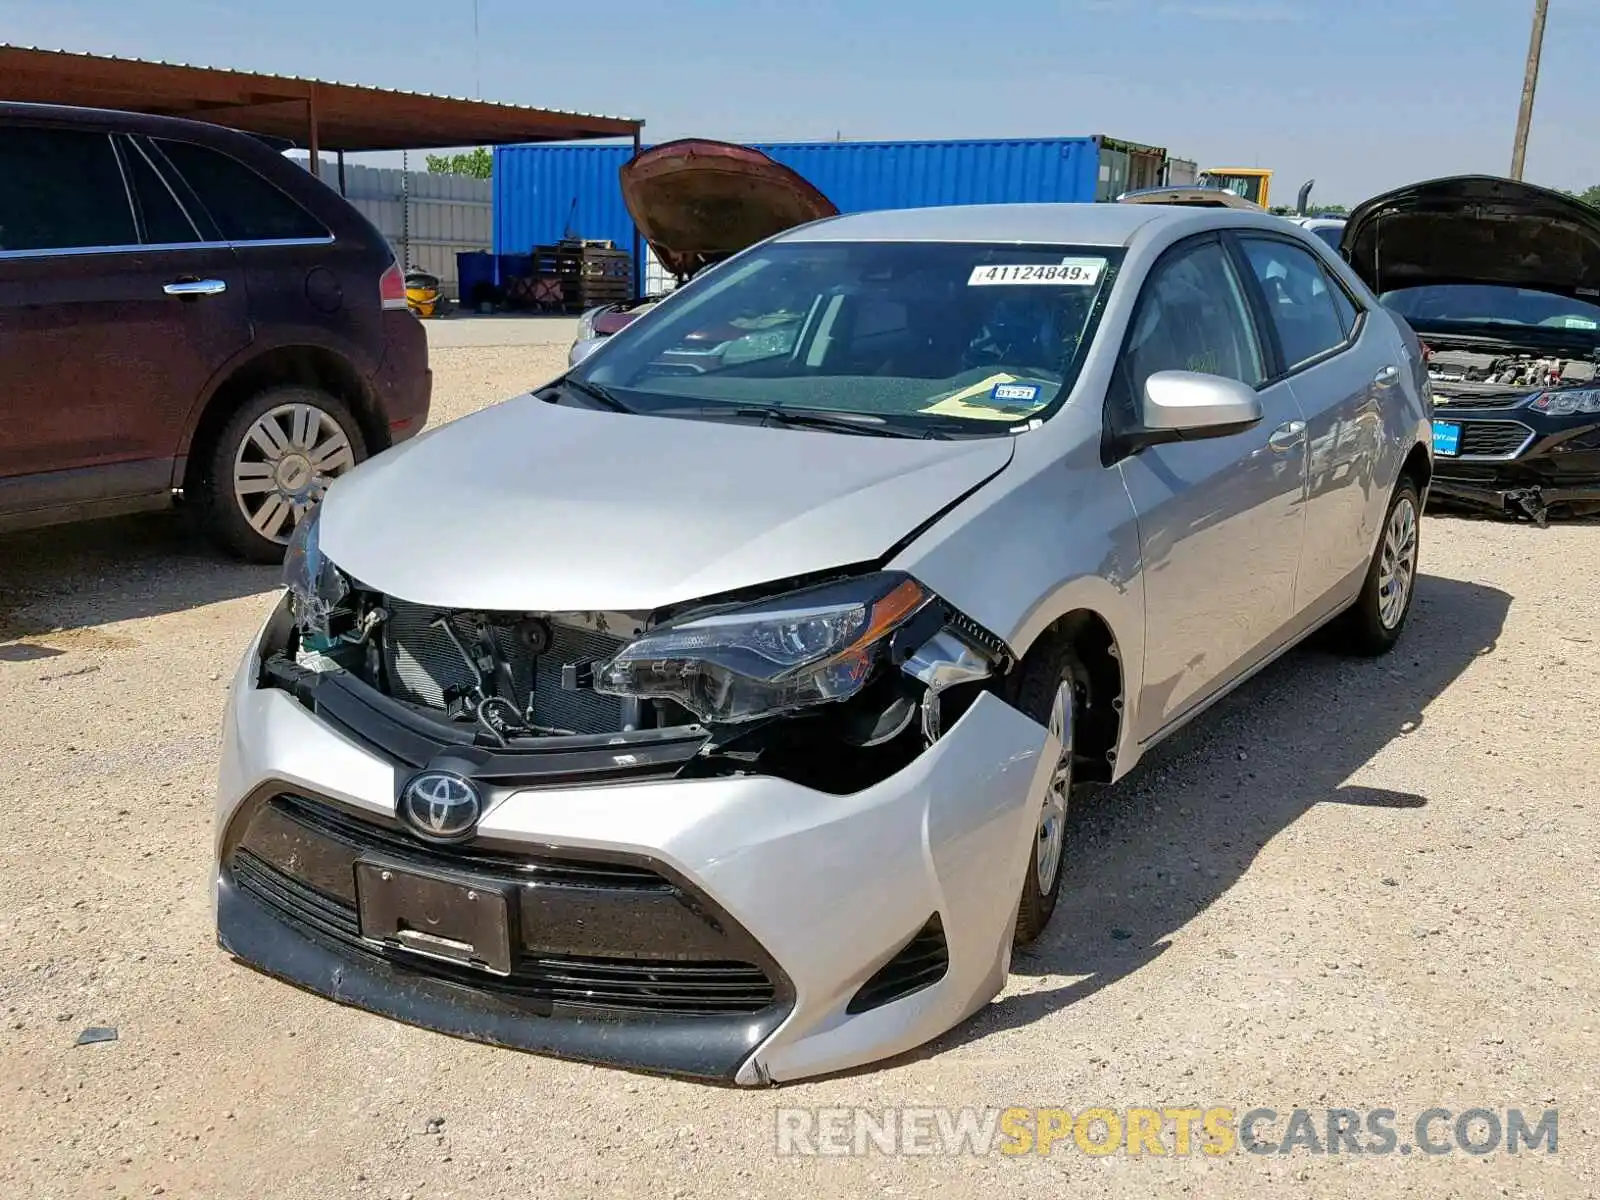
1050	689
270	464
1372	625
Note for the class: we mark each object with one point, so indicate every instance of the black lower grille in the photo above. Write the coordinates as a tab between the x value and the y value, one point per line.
588	935
424	666
1493	437
921	963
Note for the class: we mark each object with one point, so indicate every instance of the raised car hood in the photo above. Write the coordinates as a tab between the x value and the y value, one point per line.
1476	229
697	202
531	507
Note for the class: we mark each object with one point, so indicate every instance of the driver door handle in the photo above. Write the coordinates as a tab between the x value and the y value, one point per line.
1288	435
1389	375
195	287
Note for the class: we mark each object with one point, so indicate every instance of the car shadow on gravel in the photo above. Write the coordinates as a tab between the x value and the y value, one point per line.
1156	849
73	577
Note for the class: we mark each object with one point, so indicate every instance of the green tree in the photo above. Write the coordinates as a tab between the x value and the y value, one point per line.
1590	196
478	163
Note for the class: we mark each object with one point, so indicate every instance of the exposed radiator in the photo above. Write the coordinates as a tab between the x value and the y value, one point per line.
422	666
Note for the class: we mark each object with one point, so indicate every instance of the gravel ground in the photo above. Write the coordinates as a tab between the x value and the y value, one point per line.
1354	884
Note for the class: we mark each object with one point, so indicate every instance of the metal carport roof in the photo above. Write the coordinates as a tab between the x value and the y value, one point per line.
310	113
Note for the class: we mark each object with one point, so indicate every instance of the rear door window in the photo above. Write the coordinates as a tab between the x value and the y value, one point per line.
245	206
162	220
1300	299
64	191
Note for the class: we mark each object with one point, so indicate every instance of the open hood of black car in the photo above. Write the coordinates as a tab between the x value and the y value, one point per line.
1476	229
698	202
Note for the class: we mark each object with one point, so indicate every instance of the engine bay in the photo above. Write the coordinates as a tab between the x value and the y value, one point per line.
521	681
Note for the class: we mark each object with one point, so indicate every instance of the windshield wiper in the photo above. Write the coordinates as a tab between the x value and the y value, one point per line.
597	393
798	418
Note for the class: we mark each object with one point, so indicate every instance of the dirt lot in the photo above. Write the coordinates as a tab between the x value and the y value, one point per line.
1358	884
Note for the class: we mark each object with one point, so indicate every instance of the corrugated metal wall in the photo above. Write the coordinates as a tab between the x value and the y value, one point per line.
427	218
542	191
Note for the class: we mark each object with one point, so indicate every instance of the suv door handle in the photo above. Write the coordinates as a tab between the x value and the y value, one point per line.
1389	375
195	287
1288	435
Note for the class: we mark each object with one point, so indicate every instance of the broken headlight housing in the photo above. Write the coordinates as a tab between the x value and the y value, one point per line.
316	587
793	651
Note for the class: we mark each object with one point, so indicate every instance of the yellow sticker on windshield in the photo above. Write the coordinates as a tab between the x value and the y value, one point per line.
1001	387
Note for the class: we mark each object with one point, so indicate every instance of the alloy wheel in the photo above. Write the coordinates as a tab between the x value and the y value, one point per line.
283	465
1052	832
1397	566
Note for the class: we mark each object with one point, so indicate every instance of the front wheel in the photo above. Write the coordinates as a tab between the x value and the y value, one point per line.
1049	690
1372	625
270	464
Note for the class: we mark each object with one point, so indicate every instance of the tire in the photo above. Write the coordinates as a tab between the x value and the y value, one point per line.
1372	625
1051	687
249	501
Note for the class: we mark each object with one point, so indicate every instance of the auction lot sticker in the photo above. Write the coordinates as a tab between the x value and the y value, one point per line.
1069	272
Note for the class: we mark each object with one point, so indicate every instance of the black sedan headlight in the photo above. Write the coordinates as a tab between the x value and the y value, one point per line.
791	652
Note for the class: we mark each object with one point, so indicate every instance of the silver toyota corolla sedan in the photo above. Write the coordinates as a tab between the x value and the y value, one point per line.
716	708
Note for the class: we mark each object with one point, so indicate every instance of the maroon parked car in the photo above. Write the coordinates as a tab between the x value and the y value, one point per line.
186	312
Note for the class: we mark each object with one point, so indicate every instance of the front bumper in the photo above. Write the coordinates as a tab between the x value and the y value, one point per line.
806	902
1518	461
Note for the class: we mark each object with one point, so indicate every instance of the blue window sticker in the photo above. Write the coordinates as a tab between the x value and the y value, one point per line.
1015	393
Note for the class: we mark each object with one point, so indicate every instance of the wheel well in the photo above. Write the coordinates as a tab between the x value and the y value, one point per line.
309	366
1418	467
1099	724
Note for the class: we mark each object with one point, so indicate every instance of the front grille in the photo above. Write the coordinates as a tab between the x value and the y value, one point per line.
587	934
1493	438
921	963
686	988
424	667
358	836
1444	405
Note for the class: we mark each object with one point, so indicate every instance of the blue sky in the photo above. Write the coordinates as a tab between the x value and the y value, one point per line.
1360	94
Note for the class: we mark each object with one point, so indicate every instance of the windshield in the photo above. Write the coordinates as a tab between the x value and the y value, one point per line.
1489	304
967	337
1329	233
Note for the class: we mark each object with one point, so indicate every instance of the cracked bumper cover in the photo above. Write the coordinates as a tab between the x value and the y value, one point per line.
828	887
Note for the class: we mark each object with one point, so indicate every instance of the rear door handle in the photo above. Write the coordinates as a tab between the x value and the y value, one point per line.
195	287
1288	435
1389	375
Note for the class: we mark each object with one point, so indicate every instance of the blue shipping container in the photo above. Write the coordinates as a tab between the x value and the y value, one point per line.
542	192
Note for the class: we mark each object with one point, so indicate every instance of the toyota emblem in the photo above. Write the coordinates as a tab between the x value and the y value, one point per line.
440	807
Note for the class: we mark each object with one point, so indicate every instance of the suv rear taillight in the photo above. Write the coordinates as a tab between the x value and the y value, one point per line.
392	287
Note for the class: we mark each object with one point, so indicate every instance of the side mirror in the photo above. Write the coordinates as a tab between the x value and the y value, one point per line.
1186	406
582	349
1189	405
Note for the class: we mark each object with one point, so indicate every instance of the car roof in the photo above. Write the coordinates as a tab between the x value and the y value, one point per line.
1110	225
125	122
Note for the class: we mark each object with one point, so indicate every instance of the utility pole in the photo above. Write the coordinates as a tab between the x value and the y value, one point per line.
1530	80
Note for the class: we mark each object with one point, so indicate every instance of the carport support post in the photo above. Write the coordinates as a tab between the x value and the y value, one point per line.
638	254
340	155
311	120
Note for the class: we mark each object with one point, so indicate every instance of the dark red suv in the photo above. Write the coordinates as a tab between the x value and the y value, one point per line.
186	312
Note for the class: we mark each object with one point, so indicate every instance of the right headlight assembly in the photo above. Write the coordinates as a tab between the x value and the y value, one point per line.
793	651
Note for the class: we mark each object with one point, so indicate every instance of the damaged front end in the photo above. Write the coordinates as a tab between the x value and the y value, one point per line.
833	684
1515	435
